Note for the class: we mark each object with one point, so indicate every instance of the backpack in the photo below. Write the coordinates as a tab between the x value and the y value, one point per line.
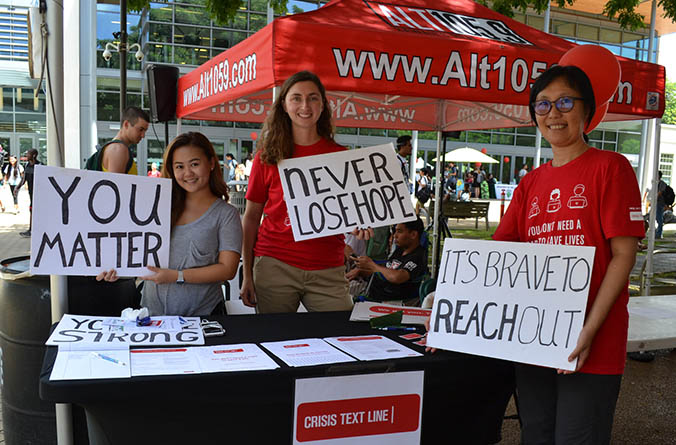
668	195
423	194
95	161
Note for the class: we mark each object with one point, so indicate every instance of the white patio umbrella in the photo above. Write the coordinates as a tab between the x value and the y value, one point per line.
467	154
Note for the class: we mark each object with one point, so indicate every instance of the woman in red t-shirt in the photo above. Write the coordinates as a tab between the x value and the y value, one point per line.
278	271
589	197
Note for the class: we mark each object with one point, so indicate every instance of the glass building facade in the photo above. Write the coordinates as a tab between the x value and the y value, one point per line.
22	108
13	33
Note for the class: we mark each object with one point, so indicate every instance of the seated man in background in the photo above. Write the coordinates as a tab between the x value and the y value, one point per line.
399	278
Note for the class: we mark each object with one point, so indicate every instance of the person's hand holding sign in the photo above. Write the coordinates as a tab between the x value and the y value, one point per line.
161	276
107	275
363	234
581	351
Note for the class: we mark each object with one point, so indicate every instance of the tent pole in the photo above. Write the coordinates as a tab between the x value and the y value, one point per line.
538	148
178	126
642	166
643	178
414	156
538	134
655	154
437	206
655	126
58	284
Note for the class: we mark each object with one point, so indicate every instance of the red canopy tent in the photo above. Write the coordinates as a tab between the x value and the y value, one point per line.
438	65
412	64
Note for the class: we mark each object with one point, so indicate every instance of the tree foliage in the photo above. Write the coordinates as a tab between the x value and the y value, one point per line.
669	116
624	11
221	11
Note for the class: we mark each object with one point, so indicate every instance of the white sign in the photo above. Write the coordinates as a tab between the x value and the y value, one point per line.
359	409
86	221
516	301
335	193
81	331
508	189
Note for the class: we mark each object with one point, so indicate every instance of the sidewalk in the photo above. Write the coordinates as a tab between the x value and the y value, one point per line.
11	243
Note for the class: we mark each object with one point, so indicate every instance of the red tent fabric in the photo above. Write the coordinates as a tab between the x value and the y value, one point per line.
407	64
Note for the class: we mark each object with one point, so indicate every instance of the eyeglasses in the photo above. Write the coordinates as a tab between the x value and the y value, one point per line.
563	104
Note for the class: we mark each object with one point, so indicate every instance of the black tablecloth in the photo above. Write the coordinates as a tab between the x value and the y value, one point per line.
463	402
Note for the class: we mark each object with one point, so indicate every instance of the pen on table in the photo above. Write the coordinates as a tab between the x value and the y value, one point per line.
397	328
110	359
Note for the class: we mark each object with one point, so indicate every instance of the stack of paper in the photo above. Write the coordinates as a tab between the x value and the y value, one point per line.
88	361
306	352
200	359
371	347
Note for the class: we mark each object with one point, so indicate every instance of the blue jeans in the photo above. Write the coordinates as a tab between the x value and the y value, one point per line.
660	220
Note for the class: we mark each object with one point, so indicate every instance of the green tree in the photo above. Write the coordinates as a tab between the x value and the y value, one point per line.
669	104
223	11
622	10
220	11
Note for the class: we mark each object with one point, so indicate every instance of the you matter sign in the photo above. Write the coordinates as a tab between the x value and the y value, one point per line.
515	301
337	192
86	221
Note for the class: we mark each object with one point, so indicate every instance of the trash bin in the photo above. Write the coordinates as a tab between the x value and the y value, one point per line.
25	320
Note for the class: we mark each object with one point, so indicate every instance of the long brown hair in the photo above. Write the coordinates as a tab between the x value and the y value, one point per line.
216	183
276	141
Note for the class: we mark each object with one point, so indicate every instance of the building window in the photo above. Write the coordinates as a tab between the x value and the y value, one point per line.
610	36
666	166
192	15
159	33
161	12
628	142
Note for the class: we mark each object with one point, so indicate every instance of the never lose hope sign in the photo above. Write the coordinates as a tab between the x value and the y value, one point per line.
86	221
516	301
335	193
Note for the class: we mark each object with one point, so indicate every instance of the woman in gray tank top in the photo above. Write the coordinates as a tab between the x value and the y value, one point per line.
206	234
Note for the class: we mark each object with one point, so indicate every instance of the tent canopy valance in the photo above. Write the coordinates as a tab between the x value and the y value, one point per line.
409	64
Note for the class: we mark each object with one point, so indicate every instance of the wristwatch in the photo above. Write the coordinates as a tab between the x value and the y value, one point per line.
180	279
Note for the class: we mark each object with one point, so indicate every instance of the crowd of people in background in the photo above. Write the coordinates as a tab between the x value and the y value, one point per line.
457	184
232	170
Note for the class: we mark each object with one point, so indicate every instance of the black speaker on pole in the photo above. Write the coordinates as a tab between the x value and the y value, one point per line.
163	91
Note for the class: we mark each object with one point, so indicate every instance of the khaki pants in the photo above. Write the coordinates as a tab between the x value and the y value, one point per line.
281	288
